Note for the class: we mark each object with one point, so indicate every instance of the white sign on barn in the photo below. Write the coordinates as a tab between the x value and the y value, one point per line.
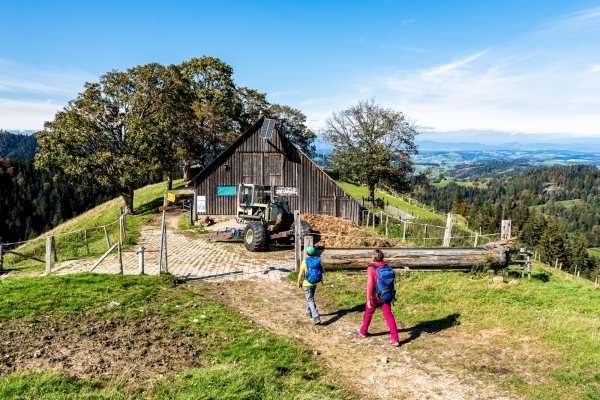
201	204
286	191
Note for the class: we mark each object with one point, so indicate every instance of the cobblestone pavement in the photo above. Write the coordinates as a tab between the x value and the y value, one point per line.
191	256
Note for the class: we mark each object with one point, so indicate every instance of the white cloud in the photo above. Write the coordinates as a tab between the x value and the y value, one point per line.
17	114
29	96
452	67
536	84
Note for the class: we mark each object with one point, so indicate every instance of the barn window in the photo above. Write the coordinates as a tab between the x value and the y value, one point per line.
226	190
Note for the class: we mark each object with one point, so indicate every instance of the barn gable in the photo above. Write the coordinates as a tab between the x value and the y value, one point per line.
274	162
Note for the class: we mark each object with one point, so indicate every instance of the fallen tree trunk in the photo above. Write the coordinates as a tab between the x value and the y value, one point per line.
415	258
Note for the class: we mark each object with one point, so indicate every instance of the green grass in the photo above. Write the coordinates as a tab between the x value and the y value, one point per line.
242	362
427	216
550	323
462	183
359	192
72	245
594	252
184	224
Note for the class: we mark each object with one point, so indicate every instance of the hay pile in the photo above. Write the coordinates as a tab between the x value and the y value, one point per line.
351	235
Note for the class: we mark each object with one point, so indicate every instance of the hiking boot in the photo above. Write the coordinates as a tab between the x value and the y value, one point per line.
316	321
358	331
395	344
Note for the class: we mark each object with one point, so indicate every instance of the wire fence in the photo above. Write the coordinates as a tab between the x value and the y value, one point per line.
422	233
31	254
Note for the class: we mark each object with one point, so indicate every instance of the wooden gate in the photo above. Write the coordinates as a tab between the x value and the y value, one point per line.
273	169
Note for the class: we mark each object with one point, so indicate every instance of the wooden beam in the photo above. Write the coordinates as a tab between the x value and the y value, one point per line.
420	258
22	255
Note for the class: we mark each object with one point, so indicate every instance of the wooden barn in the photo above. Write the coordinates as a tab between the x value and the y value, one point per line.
263	156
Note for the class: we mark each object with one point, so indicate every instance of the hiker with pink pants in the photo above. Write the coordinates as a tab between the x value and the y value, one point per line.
374	302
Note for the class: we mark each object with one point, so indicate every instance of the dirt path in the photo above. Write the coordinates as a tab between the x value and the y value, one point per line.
371	367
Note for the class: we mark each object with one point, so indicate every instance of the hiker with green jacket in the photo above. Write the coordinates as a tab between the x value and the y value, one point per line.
311	273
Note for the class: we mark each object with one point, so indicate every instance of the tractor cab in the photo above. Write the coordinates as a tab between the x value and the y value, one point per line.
255	204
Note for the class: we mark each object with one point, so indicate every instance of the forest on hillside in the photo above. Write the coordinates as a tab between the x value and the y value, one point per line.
17	146
33	201
554	211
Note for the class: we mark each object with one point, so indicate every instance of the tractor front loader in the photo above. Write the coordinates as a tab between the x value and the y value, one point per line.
259	213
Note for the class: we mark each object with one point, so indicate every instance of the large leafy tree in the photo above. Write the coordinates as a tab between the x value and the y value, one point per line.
119	130
213	104
251	105
290	122
372	146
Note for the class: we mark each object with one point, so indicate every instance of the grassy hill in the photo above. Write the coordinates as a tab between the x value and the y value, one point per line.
69	246
165	341
537	338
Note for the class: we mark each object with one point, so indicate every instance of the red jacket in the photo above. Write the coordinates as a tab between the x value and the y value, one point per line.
372	278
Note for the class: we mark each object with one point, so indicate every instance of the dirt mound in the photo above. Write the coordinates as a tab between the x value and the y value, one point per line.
350	234
87	348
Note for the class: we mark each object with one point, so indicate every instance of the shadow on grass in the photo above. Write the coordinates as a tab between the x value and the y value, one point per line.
434	326
542	277
149	206
336	315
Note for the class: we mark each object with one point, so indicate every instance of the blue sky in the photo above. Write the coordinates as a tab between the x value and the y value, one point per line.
464	70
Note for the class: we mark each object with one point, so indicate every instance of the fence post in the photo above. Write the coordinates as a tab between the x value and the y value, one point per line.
404	233
141	258
120	258
506	228
162	236
476	239
121	234
1	259
87	247
54	248
448	231
48	256
106	237
556	263
308	242
387	219
297	245
166	253
425	235
373	221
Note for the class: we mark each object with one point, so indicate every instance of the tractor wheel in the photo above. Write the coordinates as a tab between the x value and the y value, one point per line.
304	230
255	236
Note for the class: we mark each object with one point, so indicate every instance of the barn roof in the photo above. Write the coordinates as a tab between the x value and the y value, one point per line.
236	143
216	162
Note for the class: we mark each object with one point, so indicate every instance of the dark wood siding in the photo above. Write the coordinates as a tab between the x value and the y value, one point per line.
272	162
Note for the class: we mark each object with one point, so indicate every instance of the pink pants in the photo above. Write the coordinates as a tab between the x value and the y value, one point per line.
386	308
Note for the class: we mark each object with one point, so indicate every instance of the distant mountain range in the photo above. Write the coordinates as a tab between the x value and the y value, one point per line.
428	145
17	146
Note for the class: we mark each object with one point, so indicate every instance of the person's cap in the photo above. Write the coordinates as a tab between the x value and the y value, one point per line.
310	250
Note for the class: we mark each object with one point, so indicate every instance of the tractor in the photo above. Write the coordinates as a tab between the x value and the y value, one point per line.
259	213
